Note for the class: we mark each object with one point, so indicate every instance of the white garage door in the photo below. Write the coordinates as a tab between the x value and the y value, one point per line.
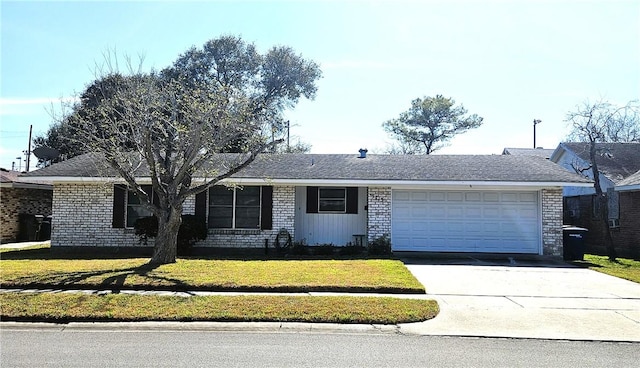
465	221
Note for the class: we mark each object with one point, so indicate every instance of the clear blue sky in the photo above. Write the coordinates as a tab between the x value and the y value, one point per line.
507	61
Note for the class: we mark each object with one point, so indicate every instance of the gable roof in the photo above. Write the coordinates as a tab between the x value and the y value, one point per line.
309	168
12	179
541	152
616	160
632	182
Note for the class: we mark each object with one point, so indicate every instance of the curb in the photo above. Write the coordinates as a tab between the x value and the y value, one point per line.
284	327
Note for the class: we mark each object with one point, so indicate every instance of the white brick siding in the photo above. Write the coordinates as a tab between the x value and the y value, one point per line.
552	222
379	205
82	217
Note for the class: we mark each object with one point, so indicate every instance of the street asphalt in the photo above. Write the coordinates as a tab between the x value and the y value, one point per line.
510	299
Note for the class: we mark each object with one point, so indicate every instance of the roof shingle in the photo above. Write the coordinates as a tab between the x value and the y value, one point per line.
616	160
436	168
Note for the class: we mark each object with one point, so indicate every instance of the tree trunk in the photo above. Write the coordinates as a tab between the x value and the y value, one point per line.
166	243
603	203
608	239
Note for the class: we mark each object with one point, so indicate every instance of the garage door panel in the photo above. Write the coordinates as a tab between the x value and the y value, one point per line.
421	211
419	196
490	197
465	221
473	197
475	211
509	197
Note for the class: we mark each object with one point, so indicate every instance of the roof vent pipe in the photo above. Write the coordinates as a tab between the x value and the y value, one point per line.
363	152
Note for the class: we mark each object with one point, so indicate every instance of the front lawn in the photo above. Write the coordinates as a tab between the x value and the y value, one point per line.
35	269
67	307
373	275
624	268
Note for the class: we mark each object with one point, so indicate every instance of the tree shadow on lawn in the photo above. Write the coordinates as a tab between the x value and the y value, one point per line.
108	279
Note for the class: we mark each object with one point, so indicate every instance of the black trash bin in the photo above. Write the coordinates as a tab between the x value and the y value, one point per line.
574	243
45	229
28	227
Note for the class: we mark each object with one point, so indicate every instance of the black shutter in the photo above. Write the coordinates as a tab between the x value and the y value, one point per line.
119	197
352	199
266	208
201	206
312	199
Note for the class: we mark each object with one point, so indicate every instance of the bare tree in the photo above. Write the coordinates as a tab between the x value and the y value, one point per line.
602	122
171	126
429	124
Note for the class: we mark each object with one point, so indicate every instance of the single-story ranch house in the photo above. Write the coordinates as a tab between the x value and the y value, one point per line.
434	203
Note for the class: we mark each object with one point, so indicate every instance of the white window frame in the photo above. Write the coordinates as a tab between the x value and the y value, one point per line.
344	199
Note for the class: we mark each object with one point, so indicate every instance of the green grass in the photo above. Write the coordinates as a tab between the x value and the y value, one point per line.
624	268
39	268
374	275
67	307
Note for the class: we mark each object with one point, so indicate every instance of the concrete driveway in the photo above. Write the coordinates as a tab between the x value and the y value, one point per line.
527	300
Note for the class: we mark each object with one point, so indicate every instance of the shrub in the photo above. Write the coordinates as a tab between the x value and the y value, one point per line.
146	227
191	230
351	250
299	249
380	246
323	249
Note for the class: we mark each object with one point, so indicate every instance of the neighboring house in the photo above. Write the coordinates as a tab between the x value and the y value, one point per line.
616	163
541	152
434	203
628	232
19	197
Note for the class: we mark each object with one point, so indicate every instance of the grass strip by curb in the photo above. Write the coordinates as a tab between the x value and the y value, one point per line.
75	307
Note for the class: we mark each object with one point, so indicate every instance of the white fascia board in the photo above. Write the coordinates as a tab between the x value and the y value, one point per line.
627	188
83	180
406	184
396	184
20	185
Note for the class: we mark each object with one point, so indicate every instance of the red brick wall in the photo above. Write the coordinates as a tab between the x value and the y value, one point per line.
15	201
626	238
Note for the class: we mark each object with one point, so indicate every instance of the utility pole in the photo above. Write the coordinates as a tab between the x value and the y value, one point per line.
29	148
288	146
535	122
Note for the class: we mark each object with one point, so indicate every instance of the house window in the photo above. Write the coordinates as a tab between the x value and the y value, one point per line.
135	208
332	200
234	208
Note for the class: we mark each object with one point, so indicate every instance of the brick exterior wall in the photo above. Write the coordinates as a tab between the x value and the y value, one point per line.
16	201
82	216
626	237
379	214
552	222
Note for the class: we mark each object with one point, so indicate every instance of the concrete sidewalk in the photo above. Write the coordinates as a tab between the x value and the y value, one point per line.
528	301
23	244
